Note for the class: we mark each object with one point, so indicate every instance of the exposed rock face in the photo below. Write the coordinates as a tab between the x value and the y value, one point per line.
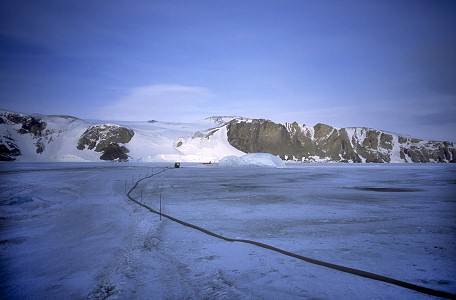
29	124
105	138
22	124
115	152
326	143
260	136
8	150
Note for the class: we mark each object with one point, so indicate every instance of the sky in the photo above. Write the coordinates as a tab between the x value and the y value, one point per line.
388	65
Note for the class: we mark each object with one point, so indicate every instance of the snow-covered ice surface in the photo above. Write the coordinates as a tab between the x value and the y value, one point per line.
68	231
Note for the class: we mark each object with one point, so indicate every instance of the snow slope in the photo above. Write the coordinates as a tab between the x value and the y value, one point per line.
202	141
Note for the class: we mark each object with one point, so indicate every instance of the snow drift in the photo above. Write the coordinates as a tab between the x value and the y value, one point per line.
252	160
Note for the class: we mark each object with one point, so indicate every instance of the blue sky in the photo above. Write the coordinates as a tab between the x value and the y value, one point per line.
389	65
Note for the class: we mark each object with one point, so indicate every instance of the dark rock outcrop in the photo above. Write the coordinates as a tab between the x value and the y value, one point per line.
115	152
29	124
8	150
105	138
326	143
22	124
259	136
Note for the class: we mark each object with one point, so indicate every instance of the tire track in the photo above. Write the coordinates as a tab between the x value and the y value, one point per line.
361	273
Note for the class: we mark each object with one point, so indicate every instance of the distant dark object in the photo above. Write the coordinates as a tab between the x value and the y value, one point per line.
177	165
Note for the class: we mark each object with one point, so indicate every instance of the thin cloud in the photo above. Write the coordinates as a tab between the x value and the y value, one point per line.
420	118
436	64
166	102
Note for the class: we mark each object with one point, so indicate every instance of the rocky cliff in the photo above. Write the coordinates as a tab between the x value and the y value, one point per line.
293	141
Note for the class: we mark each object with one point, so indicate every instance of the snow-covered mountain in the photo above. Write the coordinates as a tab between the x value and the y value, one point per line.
64	138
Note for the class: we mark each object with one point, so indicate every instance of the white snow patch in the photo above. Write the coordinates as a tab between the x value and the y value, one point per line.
396	152
252	160
211	145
